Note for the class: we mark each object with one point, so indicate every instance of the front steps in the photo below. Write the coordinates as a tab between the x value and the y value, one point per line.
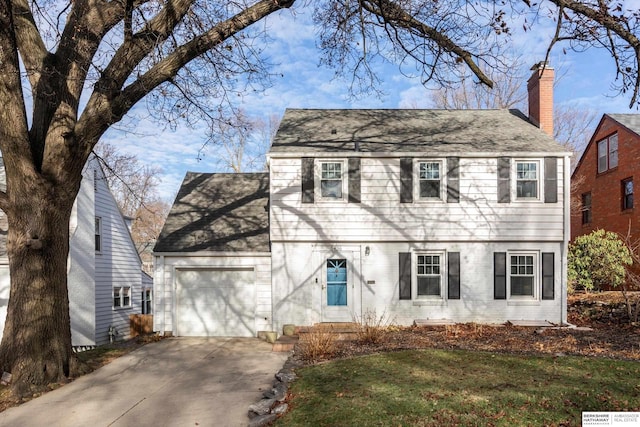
342	331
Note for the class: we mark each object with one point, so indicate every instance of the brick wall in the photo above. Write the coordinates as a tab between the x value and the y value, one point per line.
606	188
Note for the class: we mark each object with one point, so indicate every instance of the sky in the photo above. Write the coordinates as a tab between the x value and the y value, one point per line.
304	83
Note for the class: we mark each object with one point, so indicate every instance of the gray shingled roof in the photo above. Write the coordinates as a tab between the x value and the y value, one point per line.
397	131
218	212
630	121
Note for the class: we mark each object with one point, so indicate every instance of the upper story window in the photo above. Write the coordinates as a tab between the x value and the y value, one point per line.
98	234
527	179
627	193
331	180
430	179
586	208
608	153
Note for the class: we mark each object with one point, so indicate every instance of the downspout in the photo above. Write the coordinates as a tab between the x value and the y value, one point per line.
566	235
159	294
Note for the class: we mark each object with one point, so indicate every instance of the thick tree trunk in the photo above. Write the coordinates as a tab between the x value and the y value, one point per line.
36	343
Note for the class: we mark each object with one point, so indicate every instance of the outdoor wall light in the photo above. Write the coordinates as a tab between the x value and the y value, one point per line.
367	250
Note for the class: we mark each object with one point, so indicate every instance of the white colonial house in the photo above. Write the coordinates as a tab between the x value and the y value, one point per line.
105	279
420	215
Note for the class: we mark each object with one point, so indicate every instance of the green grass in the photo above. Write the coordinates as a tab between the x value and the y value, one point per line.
451	388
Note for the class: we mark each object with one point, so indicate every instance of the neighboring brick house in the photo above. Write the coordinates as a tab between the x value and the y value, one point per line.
603	180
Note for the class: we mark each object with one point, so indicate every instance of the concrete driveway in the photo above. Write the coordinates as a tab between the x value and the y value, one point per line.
173	382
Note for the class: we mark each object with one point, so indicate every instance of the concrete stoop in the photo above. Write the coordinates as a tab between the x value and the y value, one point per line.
341	331
285	343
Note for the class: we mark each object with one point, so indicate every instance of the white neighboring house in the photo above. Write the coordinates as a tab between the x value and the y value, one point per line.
105	279
420	215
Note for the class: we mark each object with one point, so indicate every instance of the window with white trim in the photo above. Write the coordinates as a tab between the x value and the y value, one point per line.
332	180
608	153
523	275
430	180
146	301
429	275
527	179
98	231
121	296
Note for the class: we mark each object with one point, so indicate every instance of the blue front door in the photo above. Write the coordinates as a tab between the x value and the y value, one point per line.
337	282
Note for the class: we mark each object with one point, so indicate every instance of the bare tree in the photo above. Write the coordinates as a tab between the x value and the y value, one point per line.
242	142
86	63
147	225
508	90
573	126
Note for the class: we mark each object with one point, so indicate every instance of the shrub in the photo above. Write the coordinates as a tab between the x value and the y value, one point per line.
597	259
370	329
317	344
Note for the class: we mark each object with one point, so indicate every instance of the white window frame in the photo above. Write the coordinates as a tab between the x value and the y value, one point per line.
417	274
318	180
536	274
121	294
98	241
418	179
147	299
611	146
538	180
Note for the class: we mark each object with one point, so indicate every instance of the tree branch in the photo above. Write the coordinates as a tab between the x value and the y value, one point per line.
612	24
32	48
106	107
392	12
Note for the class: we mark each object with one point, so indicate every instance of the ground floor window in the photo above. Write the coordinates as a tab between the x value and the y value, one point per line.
429	275
121	296
146	301
522	277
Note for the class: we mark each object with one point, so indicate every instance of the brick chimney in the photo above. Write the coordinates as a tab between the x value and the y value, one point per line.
540	88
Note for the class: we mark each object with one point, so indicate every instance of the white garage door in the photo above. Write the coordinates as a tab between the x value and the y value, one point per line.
216	302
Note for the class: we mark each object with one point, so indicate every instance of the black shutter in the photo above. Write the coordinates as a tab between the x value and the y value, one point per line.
548	275
404	259
406	180
453	180
504	180
550	180
500	275
453	273
354	180
307	180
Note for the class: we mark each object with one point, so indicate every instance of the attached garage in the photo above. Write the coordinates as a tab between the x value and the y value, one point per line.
216	302
212	260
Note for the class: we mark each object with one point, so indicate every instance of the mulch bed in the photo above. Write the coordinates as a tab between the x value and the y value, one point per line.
610	335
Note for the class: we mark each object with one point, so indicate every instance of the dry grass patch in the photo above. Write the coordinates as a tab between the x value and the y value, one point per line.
317	344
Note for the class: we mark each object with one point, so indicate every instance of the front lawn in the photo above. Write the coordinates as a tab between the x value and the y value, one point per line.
451	388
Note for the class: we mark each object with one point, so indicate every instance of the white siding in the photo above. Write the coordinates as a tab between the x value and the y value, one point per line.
297	284
381	217
165	284
81	264
476	227
116	265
